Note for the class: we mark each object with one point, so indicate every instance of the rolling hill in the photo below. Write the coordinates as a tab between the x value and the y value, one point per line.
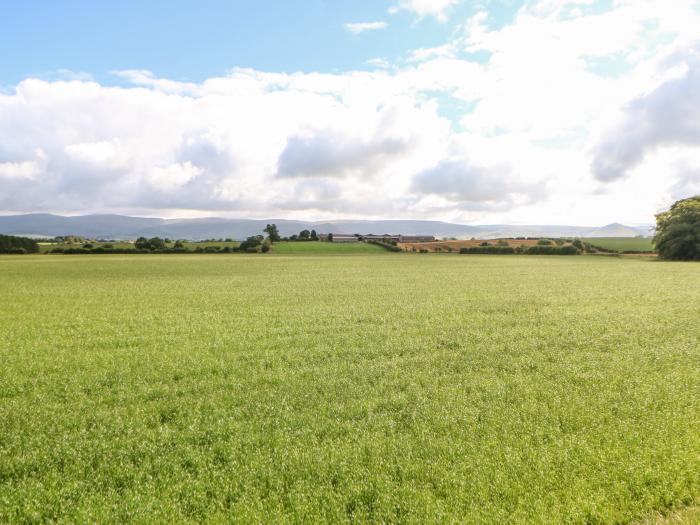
125	227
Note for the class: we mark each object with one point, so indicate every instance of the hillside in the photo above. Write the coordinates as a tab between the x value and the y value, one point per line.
125	227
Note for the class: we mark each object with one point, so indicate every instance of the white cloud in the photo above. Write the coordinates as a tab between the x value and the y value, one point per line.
511	137
668	116
361	27
422	8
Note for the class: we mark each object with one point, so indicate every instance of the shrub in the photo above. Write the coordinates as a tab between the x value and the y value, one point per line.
544	242
265	248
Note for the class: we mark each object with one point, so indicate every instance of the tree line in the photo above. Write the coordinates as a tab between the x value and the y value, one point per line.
17	245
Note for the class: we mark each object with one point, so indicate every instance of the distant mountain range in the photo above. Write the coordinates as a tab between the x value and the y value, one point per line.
124	227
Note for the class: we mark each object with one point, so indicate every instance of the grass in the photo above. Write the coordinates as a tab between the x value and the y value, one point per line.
312	248
640	244
384	388
688	516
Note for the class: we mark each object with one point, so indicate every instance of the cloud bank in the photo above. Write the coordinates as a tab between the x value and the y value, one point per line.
532	121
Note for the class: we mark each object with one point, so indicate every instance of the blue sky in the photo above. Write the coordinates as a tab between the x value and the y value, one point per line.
195	40
529	111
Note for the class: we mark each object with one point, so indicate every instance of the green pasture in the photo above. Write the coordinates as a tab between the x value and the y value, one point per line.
388	388
621	244
317	247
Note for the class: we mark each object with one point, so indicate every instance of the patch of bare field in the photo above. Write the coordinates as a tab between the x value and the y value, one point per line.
446	246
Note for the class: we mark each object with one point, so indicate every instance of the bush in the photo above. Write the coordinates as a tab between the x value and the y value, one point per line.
544	242
251	242
486	250
265	248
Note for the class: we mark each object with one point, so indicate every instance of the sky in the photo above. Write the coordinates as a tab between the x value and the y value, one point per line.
580	112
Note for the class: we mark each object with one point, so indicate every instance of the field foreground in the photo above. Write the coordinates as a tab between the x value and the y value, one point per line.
378	387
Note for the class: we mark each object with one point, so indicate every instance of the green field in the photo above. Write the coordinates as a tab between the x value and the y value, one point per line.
311	248
621	244
384	387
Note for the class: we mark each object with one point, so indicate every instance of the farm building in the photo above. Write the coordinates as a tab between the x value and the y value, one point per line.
345	237
385	238
340	237
416	238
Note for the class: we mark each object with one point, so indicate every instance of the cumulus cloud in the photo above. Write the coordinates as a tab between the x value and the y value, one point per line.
496	123
422	8
667	116
472	185
327	155
360	27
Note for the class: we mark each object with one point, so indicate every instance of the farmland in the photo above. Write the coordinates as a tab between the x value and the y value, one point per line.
621	244
372	387
325	248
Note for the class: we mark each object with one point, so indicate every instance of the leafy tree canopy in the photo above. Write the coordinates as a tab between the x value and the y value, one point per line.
678	231
272	232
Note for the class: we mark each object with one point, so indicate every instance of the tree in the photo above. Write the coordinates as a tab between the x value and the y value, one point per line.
678	231
251	243
142	244
304	235
314	235
272	232
156	243
14	244
179	245
330	237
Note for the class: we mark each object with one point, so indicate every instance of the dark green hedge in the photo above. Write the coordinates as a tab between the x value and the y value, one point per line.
568	249
493	250
386	245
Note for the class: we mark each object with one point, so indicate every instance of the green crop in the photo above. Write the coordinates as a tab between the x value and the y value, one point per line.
380	387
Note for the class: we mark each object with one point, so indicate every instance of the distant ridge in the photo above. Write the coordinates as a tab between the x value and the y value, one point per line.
125	227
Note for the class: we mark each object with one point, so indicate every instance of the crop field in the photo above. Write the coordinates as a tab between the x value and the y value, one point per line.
454	246
368	388
621	244
306	247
